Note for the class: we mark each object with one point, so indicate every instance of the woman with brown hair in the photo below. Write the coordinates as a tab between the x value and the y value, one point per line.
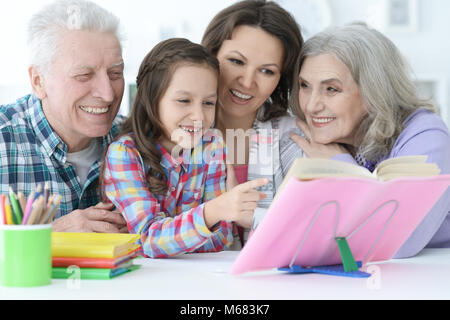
257	44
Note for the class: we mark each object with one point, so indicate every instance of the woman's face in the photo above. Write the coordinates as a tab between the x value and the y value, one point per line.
250	69
330	99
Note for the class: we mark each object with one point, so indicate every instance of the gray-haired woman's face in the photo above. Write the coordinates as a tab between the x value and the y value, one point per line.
330	99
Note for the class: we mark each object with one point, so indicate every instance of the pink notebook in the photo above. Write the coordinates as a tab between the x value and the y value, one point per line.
375	217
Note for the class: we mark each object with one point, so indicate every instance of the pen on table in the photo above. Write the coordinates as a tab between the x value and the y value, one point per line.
17	211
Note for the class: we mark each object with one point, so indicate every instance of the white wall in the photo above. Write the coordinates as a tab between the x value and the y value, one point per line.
147	22
427	49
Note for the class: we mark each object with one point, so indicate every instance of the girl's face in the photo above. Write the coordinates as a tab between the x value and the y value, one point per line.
330	99
250	69
187	108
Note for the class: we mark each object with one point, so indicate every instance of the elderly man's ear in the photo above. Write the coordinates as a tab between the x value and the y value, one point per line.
37	82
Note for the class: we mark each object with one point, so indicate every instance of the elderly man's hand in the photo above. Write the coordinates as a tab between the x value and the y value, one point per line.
313	149
100	219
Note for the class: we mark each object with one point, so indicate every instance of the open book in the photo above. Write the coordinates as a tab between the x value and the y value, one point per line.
307	217
407	166
322	200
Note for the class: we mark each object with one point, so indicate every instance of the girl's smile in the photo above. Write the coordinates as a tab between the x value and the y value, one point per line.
187	109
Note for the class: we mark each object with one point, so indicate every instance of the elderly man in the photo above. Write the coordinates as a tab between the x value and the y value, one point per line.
59	133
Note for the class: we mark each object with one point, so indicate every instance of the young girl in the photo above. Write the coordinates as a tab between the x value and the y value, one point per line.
166	172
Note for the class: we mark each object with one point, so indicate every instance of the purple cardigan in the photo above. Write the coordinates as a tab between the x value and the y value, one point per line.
425	134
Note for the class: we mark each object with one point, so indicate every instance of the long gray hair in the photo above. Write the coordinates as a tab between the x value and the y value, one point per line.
47	27
383	76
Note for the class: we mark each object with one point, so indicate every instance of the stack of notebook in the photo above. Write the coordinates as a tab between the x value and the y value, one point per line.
97	255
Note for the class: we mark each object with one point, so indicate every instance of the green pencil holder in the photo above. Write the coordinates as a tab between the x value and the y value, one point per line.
25	256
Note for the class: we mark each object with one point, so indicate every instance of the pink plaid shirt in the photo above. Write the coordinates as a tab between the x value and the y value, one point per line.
173	223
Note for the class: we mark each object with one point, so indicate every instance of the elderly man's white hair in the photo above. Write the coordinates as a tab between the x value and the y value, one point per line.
48	26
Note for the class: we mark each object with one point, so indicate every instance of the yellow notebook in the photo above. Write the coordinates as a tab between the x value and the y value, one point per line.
93	245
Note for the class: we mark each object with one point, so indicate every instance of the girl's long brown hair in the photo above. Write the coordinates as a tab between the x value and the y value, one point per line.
155	74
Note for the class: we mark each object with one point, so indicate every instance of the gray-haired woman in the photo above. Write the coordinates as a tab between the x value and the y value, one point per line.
358	104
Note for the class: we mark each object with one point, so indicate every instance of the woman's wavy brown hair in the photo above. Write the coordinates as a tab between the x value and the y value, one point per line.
275	20
155	74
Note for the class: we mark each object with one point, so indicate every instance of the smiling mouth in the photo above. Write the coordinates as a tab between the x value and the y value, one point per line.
322	121
240	95
95	110
191	129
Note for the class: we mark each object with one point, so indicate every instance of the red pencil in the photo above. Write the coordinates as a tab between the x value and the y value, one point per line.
3	220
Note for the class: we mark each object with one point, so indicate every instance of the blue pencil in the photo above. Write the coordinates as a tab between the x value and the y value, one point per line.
56	200
38	192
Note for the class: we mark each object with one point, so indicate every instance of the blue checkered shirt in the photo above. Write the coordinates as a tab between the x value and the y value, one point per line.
31	153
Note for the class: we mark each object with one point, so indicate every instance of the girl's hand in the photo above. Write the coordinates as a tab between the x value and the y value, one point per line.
313	149
236	205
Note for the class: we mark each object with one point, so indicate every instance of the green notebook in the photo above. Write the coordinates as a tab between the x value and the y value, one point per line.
91	273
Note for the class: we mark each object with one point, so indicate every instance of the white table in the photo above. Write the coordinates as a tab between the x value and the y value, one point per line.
205	277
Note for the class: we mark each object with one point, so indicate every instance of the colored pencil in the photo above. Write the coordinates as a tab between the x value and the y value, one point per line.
39	208
47	211
2	211
27	212
46	194
57	203
22	200
8	211
2	205
17	211
38	192
36	211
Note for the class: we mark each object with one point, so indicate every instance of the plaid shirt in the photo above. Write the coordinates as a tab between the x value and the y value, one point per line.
173	223
31	153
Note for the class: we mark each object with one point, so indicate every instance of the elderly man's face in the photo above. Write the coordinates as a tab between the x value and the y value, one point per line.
82	93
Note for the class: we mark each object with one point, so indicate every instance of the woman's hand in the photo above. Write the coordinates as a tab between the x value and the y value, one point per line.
313	149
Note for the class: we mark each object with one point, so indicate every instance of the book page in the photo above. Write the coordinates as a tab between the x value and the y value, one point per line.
311	168
405	160
407	170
